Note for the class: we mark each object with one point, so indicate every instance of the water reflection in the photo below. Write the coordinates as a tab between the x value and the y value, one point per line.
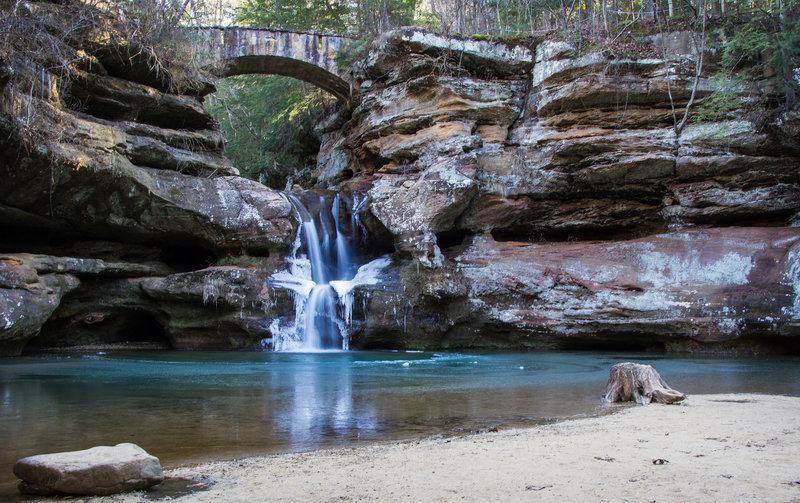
192	406
319	403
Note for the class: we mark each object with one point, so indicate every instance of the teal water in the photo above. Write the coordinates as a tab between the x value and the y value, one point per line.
187	406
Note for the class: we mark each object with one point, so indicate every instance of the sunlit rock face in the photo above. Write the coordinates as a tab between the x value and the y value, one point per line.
522	196
534	197
427	114
116	178
562	145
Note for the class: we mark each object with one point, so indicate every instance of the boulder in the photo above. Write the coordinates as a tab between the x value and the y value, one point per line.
96	471
634	382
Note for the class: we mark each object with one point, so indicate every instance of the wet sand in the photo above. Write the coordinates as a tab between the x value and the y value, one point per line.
741	447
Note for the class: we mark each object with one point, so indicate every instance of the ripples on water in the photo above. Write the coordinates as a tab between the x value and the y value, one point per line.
194	406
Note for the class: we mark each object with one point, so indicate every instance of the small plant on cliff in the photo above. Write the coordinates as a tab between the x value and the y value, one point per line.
353	50
732	97
759	65
413	277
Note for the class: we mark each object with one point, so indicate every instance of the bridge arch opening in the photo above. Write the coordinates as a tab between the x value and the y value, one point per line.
269	124
287	67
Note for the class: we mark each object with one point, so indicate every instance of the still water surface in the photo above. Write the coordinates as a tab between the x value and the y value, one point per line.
186	407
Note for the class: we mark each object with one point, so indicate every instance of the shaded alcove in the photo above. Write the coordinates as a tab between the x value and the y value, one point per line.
118	328
451	238
187	257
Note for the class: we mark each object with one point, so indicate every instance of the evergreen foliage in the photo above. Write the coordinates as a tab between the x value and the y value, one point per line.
269	122
759	66
343	17
766	45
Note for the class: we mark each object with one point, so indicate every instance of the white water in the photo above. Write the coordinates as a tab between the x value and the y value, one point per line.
322	275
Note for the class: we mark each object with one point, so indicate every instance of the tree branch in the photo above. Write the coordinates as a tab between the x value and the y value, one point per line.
697	72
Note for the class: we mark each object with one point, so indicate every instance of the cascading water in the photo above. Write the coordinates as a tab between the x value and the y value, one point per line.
323	272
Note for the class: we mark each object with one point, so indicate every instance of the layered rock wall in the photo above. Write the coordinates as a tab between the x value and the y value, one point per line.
522	193
535	197
114	176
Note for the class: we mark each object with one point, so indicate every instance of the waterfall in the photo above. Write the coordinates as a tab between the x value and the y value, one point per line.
323	271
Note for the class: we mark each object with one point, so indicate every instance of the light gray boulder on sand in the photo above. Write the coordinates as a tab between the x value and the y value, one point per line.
639	383
99	470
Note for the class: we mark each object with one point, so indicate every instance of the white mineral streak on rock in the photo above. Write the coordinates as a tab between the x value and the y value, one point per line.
792	277
592	272
667	269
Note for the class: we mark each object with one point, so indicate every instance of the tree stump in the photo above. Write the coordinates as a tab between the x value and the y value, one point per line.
639	383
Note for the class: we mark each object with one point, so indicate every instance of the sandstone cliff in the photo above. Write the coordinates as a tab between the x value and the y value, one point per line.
542	198
534	197
108	162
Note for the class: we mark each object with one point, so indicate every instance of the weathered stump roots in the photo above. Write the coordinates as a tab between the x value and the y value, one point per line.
640	383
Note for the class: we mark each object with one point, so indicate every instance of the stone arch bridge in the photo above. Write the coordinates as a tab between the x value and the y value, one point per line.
310	57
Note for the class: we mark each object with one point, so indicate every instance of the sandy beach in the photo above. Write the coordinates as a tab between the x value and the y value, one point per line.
741	447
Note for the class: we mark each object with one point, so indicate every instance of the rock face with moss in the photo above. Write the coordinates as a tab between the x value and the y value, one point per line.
114	170
550	202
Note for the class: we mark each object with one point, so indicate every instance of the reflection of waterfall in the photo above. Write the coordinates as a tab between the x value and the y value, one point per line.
323	272
318	404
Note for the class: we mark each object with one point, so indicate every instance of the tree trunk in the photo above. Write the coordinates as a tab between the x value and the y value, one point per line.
483	16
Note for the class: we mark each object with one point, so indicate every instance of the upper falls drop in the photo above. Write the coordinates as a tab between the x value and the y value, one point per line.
324	267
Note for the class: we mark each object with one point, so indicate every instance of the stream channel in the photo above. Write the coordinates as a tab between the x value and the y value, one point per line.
192	406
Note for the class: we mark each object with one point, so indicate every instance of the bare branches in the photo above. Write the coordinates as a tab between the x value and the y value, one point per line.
700	49
698	70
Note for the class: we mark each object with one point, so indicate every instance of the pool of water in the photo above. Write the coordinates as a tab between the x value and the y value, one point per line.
187	406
